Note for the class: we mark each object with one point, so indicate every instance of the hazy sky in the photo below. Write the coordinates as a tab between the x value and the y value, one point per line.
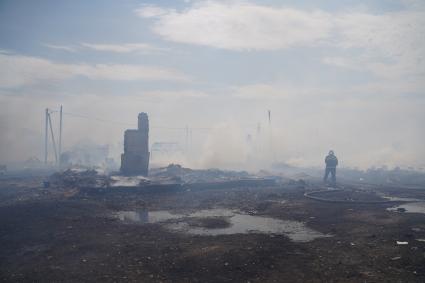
342	75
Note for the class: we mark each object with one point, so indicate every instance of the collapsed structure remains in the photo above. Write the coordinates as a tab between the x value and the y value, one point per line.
135	159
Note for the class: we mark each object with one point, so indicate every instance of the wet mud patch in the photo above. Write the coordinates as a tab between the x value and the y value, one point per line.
215	222
52	238
412	207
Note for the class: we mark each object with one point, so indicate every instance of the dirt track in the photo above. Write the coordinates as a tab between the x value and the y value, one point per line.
60	235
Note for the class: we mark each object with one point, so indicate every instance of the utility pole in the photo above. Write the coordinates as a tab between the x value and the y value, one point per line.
190	138
46	136
271	135
187	139
270	119
53	138
60	136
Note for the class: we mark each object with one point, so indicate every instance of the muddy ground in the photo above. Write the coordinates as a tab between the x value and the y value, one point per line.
63	235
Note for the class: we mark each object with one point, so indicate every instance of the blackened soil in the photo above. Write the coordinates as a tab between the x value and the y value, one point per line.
58	235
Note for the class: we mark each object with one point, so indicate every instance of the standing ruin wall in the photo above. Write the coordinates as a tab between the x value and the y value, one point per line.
135	159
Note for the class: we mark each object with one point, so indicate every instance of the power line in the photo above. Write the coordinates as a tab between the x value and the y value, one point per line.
78	115
89	117
97	119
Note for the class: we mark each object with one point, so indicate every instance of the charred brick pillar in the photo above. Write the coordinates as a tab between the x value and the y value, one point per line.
135	159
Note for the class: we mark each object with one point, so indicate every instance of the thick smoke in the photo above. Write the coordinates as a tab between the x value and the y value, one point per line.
300	134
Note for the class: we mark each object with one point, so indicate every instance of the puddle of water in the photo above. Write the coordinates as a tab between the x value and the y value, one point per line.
412	207
400	198
243	224
239	223
144	216
133	216
217	212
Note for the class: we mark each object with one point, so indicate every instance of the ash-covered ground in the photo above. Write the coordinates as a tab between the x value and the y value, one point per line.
208	227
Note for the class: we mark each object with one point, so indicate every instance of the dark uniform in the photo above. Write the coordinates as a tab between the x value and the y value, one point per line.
331	163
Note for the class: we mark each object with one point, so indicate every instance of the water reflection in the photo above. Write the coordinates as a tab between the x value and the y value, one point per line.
144	216
239	223
412	207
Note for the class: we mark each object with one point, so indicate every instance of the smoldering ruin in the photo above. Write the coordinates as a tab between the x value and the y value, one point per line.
212	141
135	159
177	224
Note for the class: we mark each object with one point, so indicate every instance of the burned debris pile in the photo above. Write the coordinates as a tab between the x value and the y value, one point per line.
189	176
173	175
172	178
74	178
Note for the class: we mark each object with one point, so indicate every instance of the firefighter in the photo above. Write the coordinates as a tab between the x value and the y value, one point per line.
331	163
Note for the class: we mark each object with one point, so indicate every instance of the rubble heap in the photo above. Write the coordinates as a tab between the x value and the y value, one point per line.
73	178
177	173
